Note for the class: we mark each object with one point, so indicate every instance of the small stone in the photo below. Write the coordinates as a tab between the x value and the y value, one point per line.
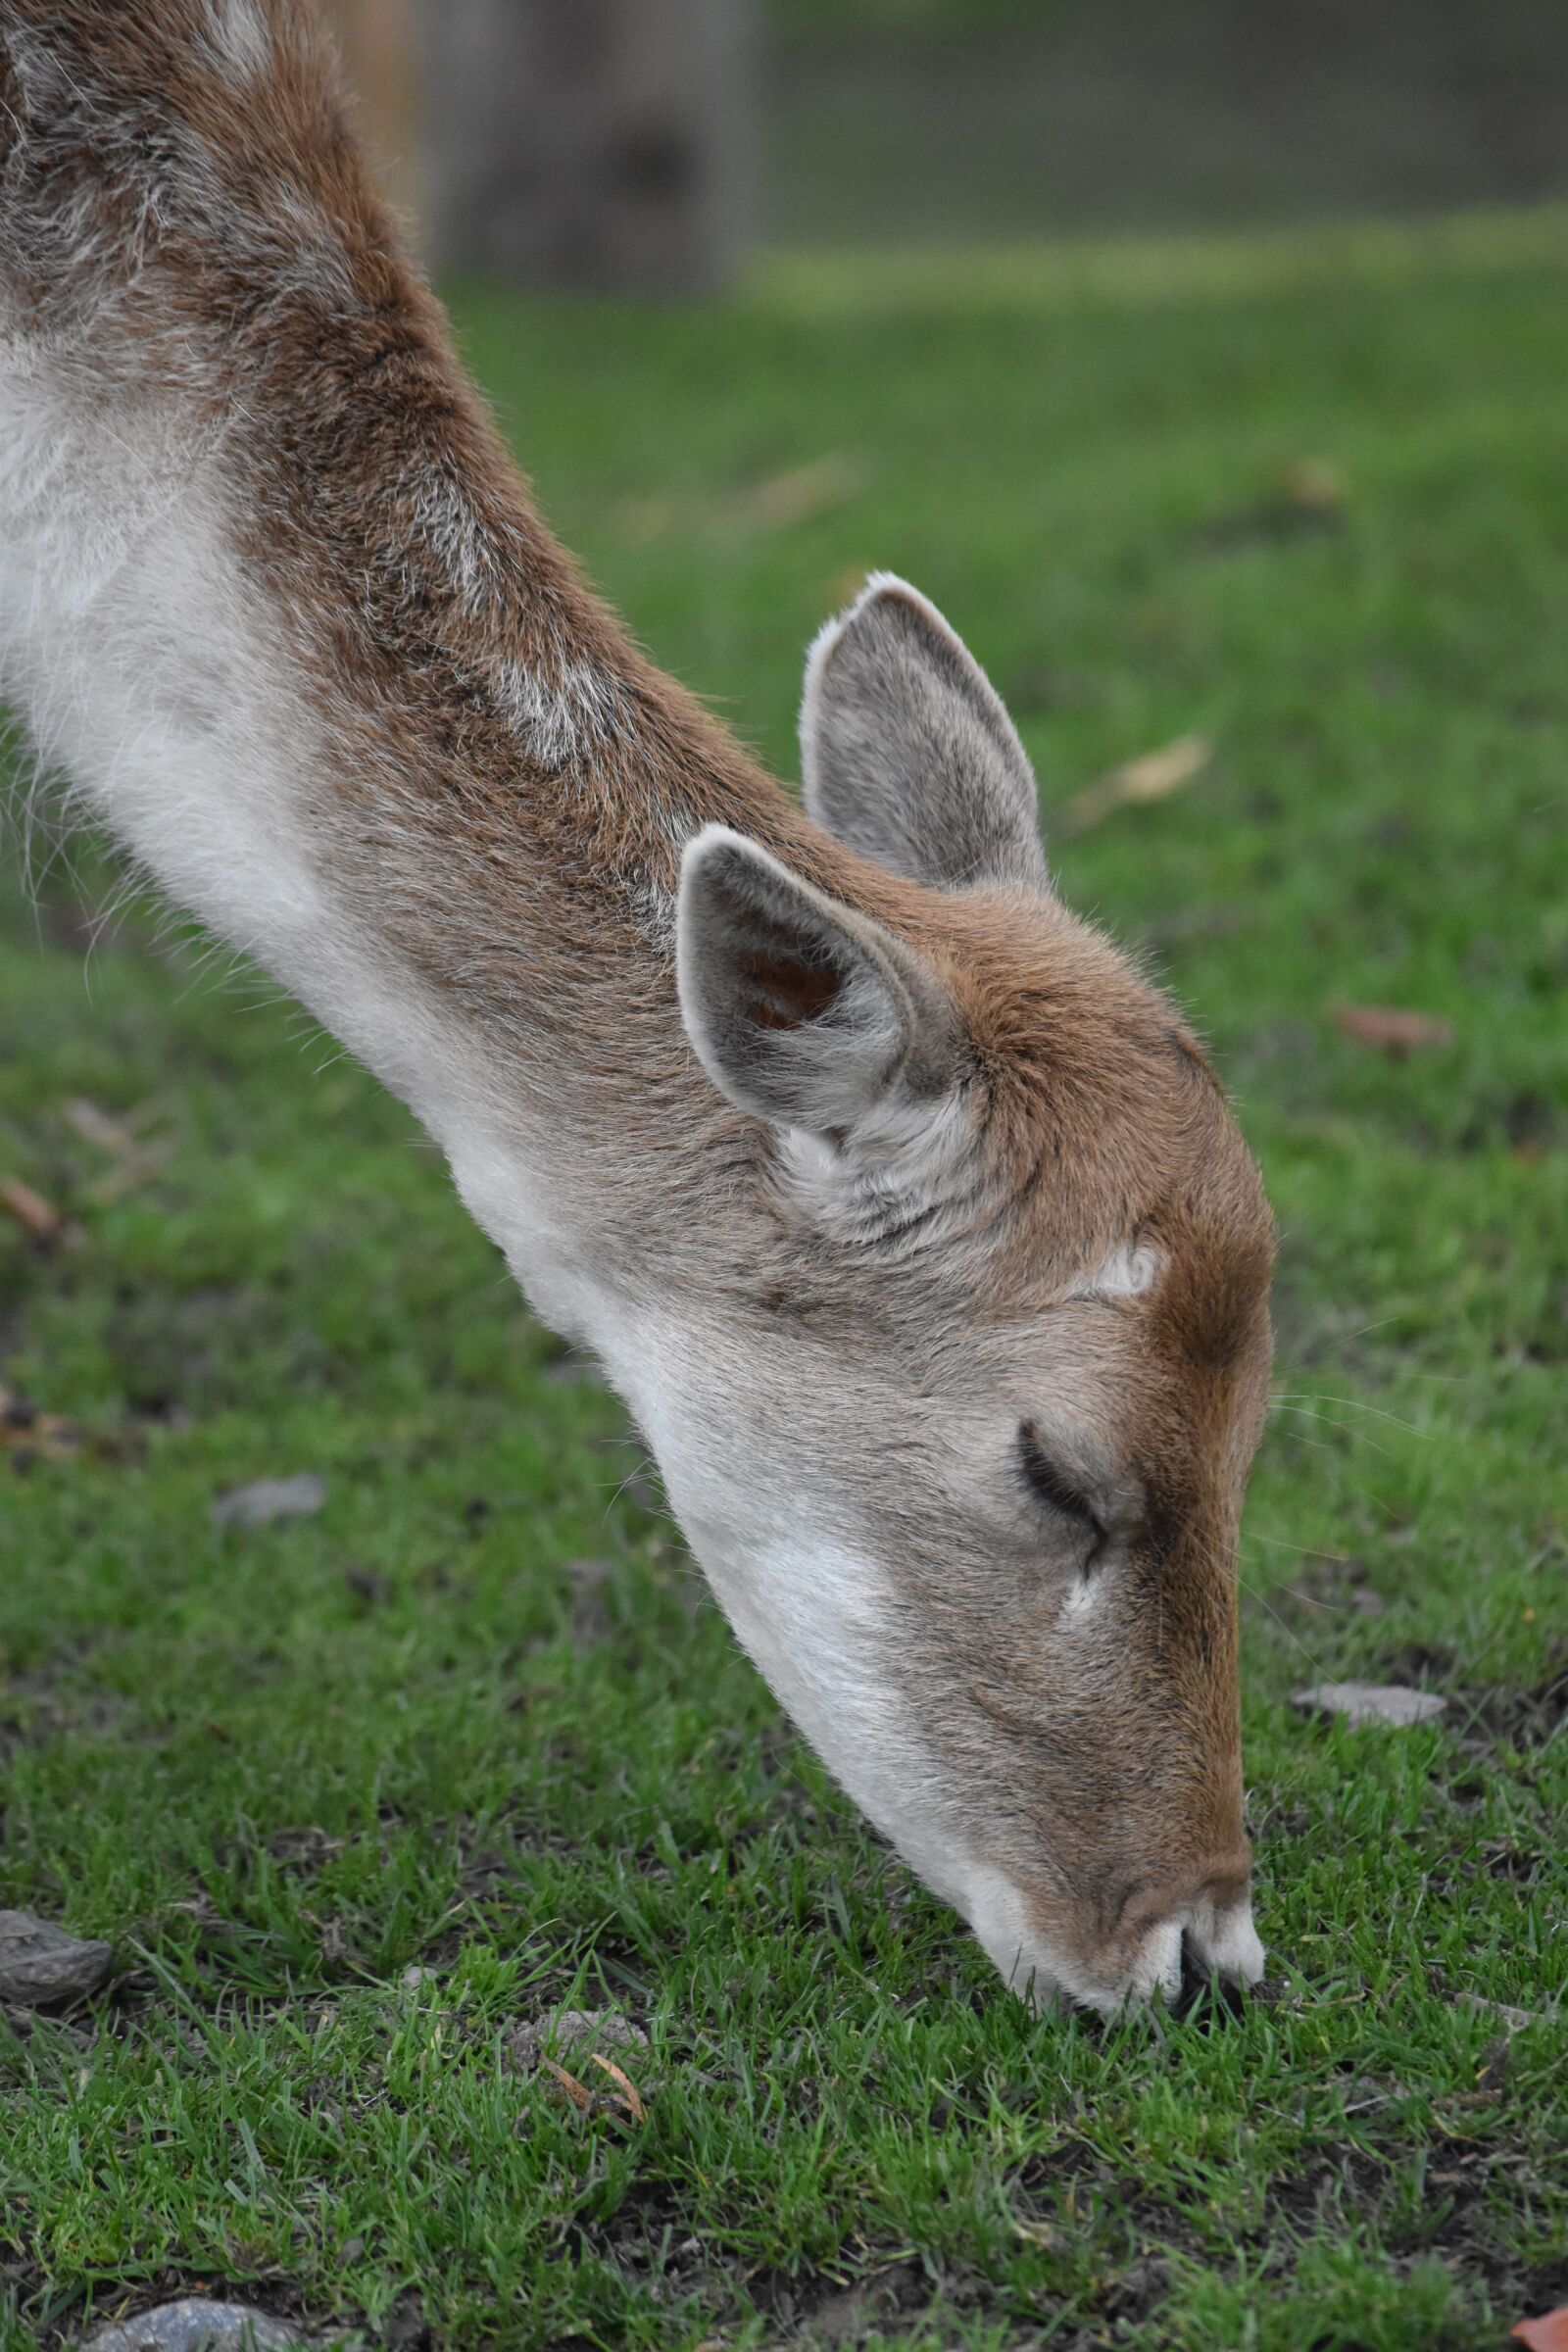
1513	2021
40	1965
196	2324
1370	1702
412	1977
575	2029
268	1500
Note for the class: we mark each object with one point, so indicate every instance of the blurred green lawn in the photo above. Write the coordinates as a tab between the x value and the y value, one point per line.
1307	499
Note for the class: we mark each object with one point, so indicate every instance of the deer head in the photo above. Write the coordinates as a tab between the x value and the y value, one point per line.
962	1439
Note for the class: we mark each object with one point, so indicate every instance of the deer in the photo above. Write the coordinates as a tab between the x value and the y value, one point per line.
906	1215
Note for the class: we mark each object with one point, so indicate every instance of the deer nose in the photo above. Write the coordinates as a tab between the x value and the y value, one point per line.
1220	1947
1199	1978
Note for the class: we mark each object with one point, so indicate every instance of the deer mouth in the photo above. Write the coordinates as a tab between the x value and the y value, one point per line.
1193	1946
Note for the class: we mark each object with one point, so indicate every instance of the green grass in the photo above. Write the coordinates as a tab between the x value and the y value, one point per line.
816	20
281	1768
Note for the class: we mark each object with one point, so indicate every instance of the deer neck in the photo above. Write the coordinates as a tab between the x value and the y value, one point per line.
273	596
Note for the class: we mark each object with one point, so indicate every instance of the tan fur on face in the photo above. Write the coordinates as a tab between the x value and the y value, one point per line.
1104	1124
452	811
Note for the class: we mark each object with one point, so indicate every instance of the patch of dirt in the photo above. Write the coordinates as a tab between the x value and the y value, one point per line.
592	1621
1037	688
1342	2185
33	1711
1530	1124
175	1350
311	1846
24	2281
1265	525
1456	2225
1526	1718
1349	2182
1425	1665
1320	1585
405	2327
814	2310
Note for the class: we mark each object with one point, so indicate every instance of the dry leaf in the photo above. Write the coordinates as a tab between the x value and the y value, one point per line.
1549	2333
640	519
578	2092
1152	777
1308	494
135	1157
628	2088
844	586
1390	1028
134	1169
803	493
798	495
1314	484
1370	1702
97	1126
30	1210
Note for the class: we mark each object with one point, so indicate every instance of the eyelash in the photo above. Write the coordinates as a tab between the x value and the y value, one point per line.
1045	1481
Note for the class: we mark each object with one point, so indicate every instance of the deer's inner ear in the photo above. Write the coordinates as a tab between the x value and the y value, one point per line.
786	990
802	1012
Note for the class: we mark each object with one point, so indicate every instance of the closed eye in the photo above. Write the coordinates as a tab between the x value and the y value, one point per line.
1046	1480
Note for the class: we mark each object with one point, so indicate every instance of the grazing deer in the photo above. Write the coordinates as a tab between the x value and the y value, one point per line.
907	1219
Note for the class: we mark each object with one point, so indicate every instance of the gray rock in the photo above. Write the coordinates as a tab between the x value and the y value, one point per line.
266	1499
568	2030
198	2325
1512	2020
40	1964
1370	1702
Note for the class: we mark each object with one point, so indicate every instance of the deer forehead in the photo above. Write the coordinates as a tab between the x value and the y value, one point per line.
1126	1272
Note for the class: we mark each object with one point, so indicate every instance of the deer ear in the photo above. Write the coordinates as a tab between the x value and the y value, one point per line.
802	1012
907	751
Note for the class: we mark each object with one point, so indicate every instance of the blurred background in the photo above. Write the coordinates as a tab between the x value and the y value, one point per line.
1207	361
645	144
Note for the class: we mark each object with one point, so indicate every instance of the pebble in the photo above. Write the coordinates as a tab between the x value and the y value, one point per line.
1370	1702
40	1965
266	1499
196	2324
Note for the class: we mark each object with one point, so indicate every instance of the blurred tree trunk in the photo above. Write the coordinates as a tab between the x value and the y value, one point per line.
604	143
377	42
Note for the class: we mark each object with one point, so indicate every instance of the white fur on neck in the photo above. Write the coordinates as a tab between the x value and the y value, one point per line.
152	674
241	38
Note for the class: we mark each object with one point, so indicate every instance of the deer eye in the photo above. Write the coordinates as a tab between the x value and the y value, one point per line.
1049	1483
